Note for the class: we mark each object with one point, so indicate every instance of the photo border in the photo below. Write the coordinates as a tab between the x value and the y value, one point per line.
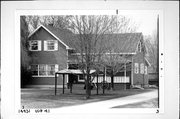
94	12
170	73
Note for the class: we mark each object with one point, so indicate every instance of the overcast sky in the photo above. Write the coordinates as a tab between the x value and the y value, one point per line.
146	20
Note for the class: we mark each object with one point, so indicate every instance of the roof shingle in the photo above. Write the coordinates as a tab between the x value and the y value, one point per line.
121	42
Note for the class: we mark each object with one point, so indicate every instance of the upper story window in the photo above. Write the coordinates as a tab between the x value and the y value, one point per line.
35	45
139	46
145	70
136	68
50	45
142	68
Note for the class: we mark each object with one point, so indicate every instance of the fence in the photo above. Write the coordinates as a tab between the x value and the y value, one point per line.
117	79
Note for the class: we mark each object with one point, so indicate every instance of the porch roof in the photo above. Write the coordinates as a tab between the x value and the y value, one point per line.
73	71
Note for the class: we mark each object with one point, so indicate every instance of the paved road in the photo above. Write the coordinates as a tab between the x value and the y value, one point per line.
109	104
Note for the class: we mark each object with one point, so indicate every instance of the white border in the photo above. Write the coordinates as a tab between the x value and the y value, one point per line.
40	12
171	56
161	62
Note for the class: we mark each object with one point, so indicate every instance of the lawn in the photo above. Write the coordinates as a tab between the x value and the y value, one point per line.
45	98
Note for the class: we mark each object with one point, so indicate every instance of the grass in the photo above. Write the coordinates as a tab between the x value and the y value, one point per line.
45	98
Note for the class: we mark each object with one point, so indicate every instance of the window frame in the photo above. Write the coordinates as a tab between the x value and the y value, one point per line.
140	46
35	69
42	70
142	68
56	67
39	42
136	68
145	70
46	45
49	71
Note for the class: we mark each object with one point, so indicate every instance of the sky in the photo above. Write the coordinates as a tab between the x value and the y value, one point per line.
146	20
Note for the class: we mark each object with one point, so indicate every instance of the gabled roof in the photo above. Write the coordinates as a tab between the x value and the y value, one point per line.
148	63
73	71
61	35
124	43
65	35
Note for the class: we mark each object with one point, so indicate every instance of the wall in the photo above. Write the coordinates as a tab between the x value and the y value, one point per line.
139	79
48	57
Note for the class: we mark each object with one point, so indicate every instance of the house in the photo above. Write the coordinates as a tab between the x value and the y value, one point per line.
153	76
51	51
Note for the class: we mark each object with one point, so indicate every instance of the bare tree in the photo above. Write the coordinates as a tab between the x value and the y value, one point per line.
25	58
91	41
114	59
61	22
151	45
90	31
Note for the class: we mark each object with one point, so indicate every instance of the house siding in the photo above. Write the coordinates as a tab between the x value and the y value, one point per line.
60	57
47	57
146	76
139	79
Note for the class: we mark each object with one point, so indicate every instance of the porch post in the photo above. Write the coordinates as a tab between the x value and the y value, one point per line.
104	78
125	74
63	83
97	84
55	82
132	71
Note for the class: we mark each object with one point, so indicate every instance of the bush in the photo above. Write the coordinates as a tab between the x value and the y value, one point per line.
26	76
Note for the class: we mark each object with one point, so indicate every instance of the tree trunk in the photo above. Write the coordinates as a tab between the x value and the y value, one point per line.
88	86
112	81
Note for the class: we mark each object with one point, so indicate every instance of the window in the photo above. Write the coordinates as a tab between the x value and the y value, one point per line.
136	68
145	70
34	69
142	68
50	45
35	45
139	47
81	78
44	69
51	69
73	66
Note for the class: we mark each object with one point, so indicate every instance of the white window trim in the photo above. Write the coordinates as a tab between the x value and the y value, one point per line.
67	47
140	46
39	45
145	70
142	68
117	79
56	68
136	68
46	48
79	79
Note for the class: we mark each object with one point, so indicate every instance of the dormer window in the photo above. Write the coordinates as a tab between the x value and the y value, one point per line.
139	47
35	45
50	45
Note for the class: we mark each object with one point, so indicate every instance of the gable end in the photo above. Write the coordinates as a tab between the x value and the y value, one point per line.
67	47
